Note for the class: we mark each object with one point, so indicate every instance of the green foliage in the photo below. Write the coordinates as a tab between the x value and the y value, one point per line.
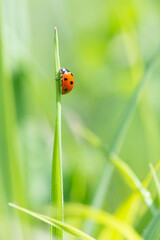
156	181
152	230
112	49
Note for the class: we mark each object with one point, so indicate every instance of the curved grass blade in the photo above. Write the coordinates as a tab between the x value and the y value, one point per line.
156	180
129	209
147	180
134	181
102	218
57	179
152	232
55	223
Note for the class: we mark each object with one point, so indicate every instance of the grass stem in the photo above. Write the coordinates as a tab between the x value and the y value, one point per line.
57	180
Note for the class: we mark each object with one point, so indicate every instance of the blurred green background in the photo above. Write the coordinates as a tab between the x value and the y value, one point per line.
106	44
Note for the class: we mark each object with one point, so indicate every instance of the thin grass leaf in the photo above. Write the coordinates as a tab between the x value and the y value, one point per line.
102	218
57	179
147	180
134	181
135	197
128	211
55	223
152	232
156	180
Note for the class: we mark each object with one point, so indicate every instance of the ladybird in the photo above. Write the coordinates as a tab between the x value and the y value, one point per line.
67	80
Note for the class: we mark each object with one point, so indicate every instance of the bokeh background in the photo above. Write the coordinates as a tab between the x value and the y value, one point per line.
106	44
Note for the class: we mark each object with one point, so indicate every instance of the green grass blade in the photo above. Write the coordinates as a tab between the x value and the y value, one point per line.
133	180
129	210
152	232
57	179
55	223
102	218
156	180
147	180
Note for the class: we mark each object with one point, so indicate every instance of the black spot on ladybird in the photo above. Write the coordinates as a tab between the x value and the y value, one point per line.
65	79
71	74
71	82
65	90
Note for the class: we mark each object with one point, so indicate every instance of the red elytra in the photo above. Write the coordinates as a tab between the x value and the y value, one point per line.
67	81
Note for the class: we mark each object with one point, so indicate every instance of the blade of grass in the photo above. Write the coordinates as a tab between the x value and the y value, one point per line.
57	180
129	209
152	231
156	180
135	197
55	223
147	180
134	181
103	218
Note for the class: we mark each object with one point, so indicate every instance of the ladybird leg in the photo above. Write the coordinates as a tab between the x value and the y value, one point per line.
60	76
